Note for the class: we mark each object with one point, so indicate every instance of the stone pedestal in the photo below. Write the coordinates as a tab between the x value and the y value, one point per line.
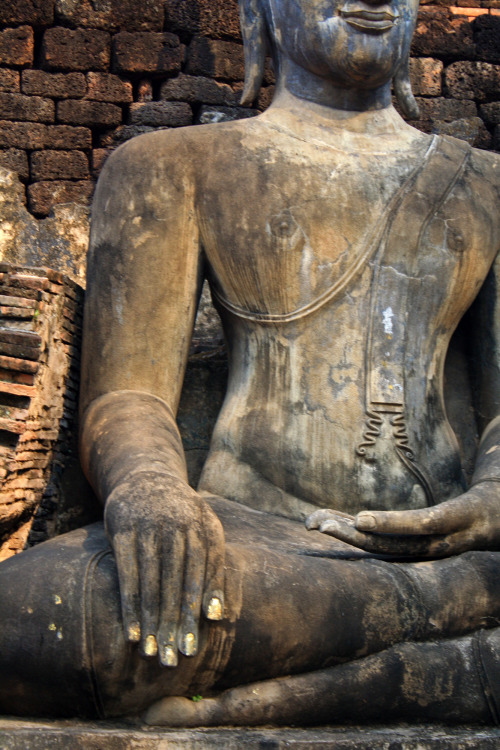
60	735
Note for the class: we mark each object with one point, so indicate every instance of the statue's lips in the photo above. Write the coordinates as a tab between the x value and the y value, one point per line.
375	21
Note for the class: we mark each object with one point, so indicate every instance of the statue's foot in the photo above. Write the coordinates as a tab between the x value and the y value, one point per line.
182	712
432	681
249	705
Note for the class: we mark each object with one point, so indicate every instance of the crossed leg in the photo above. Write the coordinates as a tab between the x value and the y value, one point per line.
453	680
298	602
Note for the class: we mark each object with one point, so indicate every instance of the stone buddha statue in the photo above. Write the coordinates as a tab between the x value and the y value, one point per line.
337	560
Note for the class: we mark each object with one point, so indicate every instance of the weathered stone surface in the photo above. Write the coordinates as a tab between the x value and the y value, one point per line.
41	312
439	30
46	735
213	58
67	137
251	251
99	156
16	160
31	108
155	114
22	135
146	53
425	75
198	89
57	85
264	98
9	81
105	87
469	129
92	114
486	37
43	196
196	450
112	15
36	12
59	242
204	17
16	46
59	165
125	133
76	49
473	80
37	136
445	110
266	95
208	115
490	113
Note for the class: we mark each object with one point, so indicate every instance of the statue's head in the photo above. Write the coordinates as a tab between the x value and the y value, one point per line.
359	44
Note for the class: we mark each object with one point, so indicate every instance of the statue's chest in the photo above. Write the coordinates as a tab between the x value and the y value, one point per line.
286	246
293	235
300	254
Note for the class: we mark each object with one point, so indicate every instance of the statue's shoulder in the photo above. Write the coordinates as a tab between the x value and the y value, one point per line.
486	166
171	148
483	191
181	150
479	175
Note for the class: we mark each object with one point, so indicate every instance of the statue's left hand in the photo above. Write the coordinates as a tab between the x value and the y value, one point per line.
470	521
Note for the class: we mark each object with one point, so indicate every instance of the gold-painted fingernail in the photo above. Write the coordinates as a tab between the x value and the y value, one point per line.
214	609
150	646
168	656
134	633
189	645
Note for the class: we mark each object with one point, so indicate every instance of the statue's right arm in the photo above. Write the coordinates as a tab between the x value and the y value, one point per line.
144	274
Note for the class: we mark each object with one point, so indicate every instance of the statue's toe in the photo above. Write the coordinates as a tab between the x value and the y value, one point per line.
180	712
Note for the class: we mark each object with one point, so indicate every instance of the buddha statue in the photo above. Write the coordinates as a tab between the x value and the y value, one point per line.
337	560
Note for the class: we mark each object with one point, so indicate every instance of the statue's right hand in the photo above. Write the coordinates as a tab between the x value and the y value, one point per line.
169	551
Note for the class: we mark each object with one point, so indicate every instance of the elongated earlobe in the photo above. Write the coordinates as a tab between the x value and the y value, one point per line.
253	30
403	92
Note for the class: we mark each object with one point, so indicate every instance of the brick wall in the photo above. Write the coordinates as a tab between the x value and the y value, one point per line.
40	336
78	77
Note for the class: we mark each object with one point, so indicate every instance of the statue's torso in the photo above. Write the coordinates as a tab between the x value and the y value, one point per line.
340	284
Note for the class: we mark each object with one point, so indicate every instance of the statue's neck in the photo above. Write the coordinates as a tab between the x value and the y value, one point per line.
308	86
370	130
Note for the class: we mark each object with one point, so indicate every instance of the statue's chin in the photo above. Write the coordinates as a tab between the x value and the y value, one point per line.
362	51
361	71
368	73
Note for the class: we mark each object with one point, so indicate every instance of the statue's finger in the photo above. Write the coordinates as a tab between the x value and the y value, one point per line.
345	532
455	544
394	546
192	593
213	597
315	520
148	549
172	576
125	552
440	519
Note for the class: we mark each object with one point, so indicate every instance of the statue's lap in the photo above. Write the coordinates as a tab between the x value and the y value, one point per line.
65	640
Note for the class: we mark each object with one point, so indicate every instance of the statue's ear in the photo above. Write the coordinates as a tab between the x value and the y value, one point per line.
253	30
403	92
